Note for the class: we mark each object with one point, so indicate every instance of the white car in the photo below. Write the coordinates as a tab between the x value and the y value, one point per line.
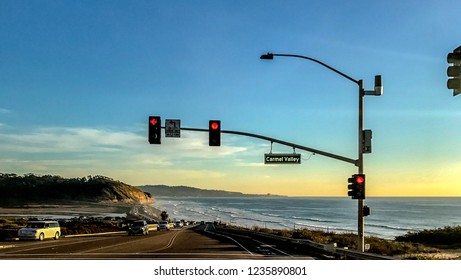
39	230
163	225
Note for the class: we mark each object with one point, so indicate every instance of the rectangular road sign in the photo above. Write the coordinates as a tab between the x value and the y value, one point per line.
282	158
172	128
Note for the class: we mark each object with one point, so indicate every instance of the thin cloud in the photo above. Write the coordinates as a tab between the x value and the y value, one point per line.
86	150
67	140
4	111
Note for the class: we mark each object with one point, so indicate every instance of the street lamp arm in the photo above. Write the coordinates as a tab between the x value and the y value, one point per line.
271	55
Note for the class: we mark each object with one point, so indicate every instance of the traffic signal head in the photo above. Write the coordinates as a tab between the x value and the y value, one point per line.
356	186
360	181
454	71
155	129
214	133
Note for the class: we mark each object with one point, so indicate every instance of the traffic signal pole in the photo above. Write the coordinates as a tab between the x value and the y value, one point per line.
377	91
360	220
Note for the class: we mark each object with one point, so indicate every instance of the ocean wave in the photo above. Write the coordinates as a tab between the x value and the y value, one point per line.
225	211
254	221
391	227
271	215
314	219
327	228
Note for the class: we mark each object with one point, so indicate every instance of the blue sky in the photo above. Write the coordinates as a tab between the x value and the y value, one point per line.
78	80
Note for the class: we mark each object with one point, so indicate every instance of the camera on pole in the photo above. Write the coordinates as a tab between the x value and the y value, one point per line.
366	211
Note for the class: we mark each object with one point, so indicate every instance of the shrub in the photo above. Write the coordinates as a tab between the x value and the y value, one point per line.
437	237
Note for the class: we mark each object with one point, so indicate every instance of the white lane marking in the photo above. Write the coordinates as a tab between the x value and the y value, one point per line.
273	248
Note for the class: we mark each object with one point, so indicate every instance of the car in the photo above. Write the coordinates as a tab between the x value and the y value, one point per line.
138	227
163	225
39	230
178	224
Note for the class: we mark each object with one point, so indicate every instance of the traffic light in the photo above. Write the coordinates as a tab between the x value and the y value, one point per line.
356	186
454	71
155	129
214	133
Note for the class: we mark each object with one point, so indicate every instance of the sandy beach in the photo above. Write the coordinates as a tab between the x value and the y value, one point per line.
83	209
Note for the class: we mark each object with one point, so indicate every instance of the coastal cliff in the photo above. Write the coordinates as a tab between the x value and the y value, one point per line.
21	190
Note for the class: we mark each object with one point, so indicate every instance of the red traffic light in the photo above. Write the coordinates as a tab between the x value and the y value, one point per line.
360	179
214	125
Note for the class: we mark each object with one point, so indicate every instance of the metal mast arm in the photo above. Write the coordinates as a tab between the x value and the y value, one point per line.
293	145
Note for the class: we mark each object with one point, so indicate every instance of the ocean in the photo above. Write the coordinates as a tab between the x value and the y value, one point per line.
390	216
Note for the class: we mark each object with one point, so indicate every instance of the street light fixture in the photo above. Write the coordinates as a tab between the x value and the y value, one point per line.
267	56
378	90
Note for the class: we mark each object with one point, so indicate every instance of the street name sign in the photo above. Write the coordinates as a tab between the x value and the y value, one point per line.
282	158
173	128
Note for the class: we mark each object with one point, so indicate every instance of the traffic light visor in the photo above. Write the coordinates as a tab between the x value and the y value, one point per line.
453	71
454	58
454	83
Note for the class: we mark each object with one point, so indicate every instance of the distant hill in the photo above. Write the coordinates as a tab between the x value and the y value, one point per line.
21	190
184	191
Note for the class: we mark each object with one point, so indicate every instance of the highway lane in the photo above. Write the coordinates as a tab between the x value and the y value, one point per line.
200	242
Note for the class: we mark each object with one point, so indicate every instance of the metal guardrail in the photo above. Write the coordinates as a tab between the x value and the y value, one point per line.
356	255
324	249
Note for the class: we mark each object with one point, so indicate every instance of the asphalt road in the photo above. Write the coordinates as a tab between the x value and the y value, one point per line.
200	242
